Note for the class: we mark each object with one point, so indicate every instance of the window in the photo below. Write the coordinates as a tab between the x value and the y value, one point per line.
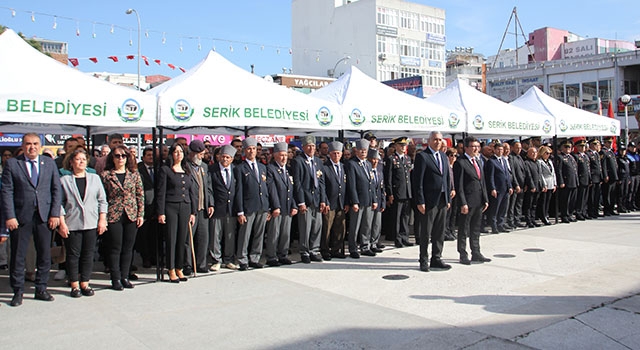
387	17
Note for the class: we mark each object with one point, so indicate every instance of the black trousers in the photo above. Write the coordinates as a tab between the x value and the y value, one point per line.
432	227
622	189
594	200
80	246
514	212
544	200
200	232
146	240
121	237
567	202
608	196
176	231
469	226
20	242
582	196
529	205
402	212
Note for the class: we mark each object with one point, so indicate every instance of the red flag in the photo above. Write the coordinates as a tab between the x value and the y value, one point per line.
157	61
610	115
171	66
146	61
182	69
113	58
130	57
74	62
93	59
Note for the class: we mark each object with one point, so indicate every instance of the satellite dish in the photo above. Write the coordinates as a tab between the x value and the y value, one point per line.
268	78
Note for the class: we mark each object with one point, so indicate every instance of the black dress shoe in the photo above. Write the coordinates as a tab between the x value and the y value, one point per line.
44	296
243	267
424	267
572	219
315	257
375	249
338	256
133	277
565	221
545	221
87	292
380	245
326	256
399	245
273	263
16	300
503	229
126	284
201	270
368	253
75	293
407	244
580	217
354	255
480	258
614	213
285	261
535	224
255	265
187	270
439	264
116	285
305	259
465	261
4	267
530	225
484	230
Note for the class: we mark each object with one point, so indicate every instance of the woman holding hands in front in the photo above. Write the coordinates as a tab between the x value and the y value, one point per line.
84	217
177	201
125	196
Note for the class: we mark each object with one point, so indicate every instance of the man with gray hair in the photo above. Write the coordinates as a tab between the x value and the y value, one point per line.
362	200
283	207
309	194
333	221
377	170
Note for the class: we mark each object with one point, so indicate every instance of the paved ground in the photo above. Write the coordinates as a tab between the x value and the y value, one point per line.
564	286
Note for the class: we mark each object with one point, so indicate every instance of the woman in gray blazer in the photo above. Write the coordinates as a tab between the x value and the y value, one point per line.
84	213
549	184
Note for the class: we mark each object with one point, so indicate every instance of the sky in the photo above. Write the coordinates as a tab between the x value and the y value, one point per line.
258	32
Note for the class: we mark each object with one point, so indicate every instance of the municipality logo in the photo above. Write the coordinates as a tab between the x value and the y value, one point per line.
130	111
563	125
454	120
613	128
182	111
478	123
546	126
324	116
356	117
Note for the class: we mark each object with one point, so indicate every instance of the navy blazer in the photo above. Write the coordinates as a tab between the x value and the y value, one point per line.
360	189
470	190
335	187
280	186
149	191
304	190
223	197
428	181
20	198
379	187
252	194
496	177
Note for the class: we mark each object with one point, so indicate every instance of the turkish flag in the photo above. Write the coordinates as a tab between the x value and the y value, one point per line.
171	66
146	61
74	62
130	57
157	61
182	69
113	58
93	59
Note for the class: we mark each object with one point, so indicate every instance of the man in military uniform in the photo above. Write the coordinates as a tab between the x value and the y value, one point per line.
595	167
634	169
610	173
398	188
567	175
584	179
624	179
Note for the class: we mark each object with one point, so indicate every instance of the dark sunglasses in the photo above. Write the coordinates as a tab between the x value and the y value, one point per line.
121	156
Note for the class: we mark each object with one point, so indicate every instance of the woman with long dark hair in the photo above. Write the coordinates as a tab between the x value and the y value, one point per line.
177	201
125	196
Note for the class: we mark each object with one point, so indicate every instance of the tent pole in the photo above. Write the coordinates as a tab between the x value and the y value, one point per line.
555	151
157	161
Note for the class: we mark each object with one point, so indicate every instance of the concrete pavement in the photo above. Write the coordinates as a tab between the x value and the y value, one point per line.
573	286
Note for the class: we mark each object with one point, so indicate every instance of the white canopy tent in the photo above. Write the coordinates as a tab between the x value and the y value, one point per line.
569	121
217	94
370	105
39	94
489	116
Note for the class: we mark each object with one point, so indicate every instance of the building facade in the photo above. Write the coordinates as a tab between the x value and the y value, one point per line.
386	39
463	63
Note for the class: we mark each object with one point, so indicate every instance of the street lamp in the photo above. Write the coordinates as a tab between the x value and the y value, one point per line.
332	72
130	11
625	99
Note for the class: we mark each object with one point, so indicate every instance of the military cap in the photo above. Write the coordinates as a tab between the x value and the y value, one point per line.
228	150
594	141
567	143
608	139
400	140
362	144
280	147
373	154
581	142
249	142
370	136
308	140
631	144
336	146
622	148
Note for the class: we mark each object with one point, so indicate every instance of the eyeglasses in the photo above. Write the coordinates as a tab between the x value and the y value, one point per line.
121	155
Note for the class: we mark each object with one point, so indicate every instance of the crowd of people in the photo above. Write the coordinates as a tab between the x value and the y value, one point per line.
197	208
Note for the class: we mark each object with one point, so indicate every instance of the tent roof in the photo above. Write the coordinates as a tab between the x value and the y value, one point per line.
489	116
217	94
368	104
570	121
41	94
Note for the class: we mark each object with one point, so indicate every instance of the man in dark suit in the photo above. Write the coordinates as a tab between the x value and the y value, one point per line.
514	212
252	206
283	208
377	169
498	182
146	239
200	230
362	201
584	179
333	222
610	176
397	177
567	176
432	195
68	146
471	200
311	199
223	224
31	197
595	167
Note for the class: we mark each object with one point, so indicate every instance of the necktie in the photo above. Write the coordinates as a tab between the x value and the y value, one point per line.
34	173
338	171
227	179
285	177
255	171
438	162
375	176
151	175
313	173
475	165
501	163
